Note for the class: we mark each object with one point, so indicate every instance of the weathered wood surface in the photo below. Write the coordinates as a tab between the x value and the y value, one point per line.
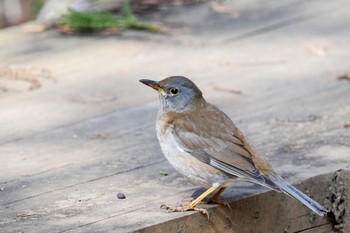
68	148
273	212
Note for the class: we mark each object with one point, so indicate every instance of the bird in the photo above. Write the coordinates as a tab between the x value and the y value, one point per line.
204	145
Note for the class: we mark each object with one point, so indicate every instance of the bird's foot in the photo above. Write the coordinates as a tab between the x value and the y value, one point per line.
185	208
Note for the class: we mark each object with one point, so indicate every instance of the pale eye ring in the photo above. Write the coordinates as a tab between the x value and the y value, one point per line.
174	91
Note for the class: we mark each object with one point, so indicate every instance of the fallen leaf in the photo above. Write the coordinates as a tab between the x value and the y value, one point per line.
221	8
316	50
31	74
163	173
24	214
345	124
344	76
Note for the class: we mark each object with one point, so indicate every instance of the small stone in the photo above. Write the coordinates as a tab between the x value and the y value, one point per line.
121	196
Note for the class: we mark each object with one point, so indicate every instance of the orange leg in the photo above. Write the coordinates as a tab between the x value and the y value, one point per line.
193	204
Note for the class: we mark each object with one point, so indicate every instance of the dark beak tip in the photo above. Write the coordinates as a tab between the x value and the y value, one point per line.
153	84
149	82
146	81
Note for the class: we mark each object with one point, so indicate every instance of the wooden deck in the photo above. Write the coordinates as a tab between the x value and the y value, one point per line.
69	147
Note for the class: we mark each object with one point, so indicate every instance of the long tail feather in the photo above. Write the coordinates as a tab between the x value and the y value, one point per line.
300	196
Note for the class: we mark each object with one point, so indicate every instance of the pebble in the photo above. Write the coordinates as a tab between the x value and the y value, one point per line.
121	196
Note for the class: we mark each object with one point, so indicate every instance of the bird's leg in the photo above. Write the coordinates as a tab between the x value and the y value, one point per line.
193	204
216	198
205	194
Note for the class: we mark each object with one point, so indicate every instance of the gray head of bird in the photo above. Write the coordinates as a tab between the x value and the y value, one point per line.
177	93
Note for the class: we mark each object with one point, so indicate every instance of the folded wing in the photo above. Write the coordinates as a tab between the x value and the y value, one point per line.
214	139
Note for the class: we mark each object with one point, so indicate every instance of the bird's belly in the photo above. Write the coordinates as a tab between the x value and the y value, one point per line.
187	165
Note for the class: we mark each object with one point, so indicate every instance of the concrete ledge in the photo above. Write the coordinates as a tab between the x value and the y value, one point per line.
274	212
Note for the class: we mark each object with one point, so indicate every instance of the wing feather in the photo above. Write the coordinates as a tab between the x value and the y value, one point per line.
214	139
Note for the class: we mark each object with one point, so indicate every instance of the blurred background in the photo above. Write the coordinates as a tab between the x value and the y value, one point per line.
13	12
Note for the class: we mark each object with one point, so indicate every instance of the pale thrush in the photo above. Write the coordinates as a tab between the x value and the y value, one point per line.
205	146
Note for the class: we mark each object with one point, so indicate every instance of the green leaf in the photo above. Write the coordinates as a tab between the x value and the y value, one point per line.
163	173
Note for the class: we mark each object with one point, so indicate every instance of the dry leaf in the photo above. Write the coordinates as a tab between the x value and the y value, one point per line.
345	124
24	214
29	74
316	50
344	77
221	8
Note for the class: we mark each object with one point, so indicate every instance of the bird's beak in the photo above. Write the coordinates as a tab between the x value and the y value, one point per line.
154	84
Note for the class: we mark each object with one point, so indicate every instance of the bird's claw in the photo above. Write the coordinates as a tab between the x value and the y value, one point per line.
185	208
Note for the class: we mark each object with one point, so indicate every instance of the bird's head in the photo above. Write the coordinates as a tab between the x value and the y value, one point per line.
177	93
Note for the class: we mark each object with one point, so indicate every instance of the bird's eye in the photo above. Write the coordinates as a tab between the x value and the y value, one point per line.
174	91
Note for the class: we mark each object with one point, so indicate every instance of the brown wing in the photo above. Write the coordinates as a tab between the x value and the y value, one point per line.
212	138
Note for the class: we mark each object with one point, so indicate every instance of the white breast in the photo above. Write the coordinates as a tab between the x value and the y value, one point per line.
187	165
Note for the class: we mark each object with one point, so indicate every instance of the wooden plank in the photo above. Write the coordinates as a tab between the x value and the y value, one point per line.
42	188
93	202
81	143
78	62
68	148
269	212
288	14
321	229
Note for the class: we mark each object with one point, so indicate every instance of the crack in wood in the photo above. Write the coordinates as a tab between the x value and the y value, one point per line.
313	227
84	182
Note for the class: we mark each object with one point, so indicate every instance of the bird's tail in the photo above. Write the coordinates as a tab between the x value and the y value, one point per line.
300	196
